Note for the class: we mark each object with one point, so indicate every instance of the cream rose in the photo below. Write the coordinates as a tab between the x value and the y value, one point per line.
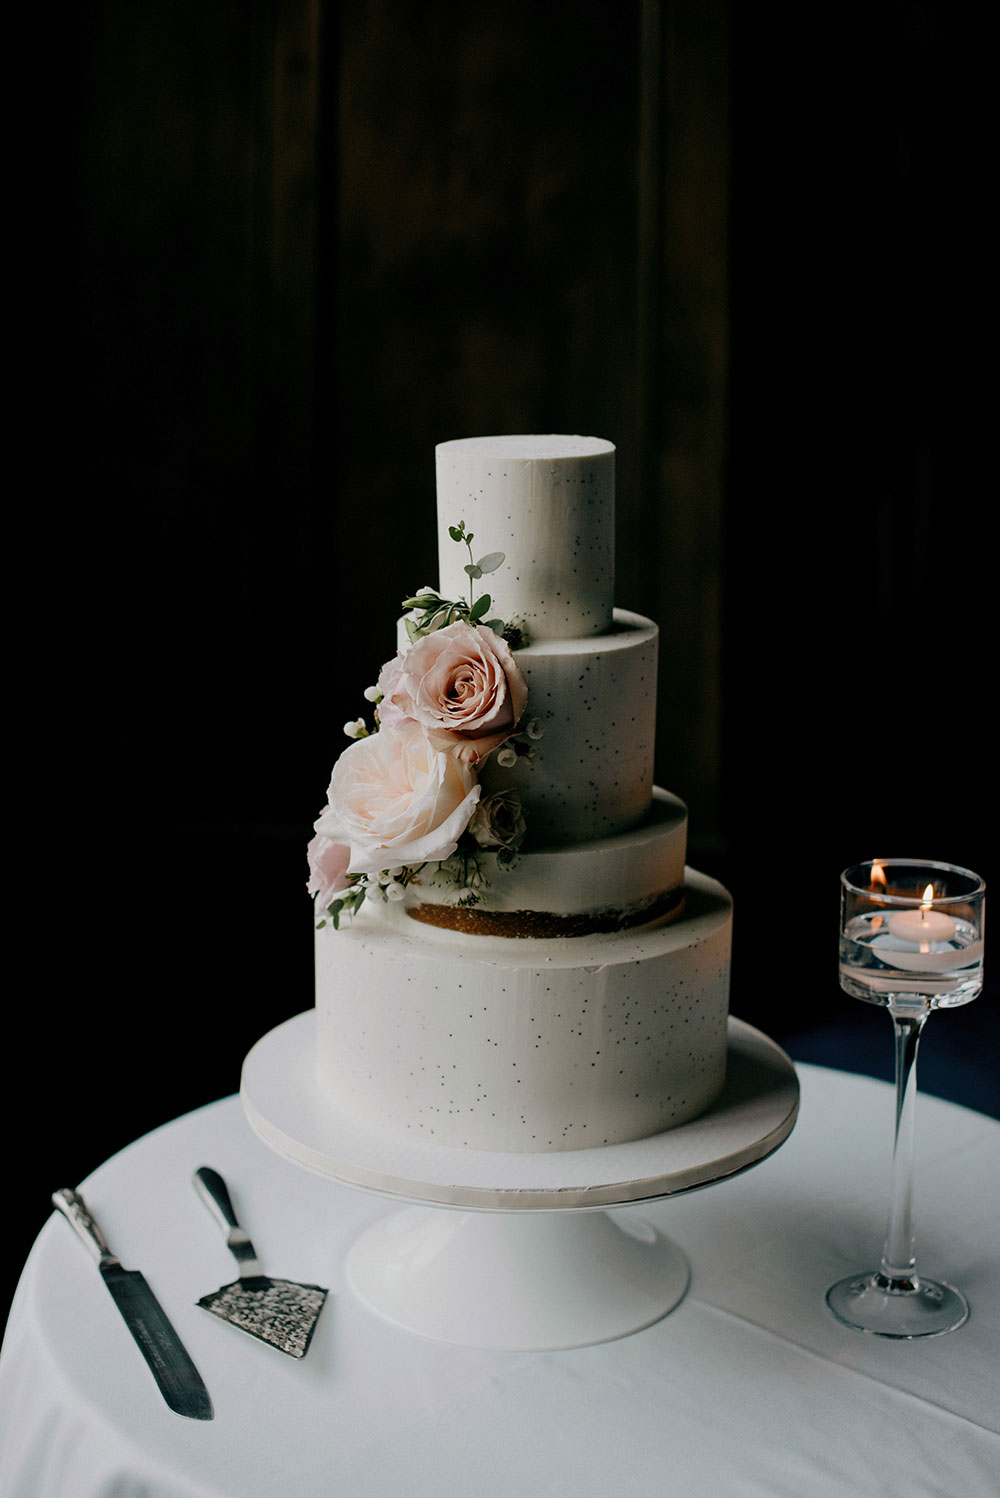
327	867
396	800
462	684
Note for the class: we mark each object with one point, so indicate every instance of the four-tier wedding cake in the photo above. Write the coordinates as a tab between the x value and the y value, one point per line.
510	951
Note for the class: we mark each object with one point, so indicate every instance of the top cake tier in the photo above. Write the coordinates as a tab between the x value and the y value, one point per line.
547	503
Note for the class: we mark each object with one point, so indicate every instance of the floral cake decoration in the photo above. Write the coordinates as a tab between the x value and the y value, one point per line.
405	799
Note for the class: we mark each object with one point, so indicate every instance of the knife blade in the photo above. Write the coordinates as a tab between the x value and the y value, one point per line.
177	1378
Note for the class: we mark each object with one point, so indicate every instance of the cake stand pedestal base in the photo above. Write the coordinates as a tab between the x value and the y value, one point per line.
518	1251
517	1280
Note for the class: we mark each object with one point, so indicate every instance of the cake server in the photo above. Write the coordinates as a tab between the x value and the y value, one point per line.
279	1312
178	1379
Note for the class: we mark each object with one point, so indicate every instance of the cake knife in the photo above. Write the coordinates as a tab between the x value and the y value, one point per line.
178	1379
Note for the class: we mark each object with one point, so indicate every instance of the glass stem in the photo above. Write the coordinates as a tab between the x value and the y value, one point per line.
898	1270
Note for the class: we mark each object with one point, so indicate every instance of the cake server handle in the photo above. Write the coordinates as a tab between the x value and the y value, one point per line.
215	1194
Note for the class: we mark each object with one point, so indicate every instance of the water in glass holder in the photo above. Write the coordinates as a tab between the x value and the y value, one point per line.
911	940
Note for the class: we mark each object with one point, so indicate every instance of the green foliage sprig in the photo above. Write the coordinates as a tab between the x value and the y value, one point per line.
434	612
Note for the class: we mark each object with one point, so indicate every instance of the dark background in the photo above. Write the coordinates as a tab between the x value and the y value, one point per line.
277	252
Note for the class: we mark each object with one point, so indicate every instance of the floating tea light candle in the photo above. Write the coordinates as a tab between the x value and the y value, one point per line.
924	926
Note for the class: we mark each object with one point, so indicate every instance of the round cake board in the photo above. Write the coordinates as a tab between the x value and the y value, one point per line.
532	1259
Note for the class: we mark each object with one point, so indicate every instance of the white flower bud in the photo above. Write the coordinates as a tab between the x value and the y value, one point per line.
507	757
355	730
372	694
395	891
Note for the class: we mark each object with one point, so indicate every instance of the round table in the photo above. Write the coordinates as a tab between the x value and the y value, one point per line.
749	1387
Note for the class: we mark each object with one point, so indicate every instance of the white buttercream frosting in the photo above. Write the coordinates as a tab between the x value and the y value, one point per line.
547	503
591	773
519	1041
622	873
532	1044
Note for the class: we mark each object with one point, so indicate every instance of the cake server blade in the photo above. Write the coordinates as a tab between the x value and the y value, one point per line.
177	1378
279	1312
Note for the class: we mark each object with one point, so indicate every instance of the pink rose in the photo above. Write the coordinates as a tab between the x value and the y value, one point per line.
327	867
396	799
462	684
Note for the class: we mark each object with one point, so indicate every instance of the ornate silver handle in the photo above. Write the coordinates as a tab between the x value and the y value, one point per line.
73	1207
215	1194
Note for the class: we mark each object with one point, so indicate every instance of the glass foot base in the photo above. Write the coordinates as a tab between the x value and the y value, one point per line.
927	1308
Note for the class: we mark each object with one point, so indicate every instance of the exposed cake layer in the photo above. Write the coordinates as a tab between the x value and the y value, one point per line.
528	1045
604	884
547	503
591	772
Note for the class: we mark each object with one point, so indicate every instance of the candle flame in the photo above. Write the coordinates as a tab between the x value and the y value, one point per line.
878	876
928	897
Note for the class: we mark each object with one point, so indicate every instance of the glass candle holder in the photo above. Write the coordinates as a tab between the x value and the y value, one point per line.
911	940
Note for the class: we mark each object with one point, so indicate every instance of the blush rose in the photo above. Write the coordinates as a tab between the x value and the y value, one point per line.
395	799
462	684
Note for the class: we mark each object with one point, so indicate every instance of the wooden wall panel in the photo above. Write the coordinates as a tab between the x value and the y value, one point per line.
486	245
532	237
313	240
672	521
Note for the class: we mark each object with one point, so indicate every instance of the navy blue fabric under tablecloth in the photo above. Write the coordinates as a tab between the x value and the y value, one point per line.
959	1056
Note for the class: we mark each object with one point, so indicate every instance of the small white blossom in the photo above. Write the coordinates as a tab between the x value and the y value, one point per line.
372	694
534	729
507	757
395	891
356	729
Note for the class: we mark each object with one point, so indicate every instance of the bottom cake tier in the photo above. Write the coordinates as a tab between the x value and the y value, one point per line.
525	1044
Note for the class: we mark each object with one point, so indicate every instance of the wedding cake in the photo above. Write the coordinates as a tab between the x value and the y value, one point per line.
511	953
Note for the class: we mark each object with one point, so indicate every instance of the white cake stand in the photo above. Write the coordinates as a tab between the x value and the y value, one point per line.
530	1256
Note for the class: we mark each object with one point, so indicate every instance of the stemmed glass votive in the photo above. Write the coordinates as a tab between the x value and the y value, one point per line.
911	939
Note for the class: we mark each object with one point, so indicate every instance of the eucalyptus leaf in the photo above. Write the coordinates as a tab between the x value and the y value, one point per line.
456	532
472	569
491	562
480	607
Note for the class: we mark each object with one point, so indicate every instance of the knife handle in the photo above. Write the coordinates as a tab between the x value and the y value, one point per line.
73	1207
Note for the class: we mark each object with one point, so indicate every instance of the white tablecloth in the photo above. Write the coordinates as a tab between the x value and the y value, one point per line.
749	1389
